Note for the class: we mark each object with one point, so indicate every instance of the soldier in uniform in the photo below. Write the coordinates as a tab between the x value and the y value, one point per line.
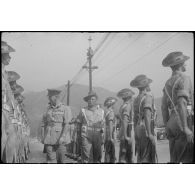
9	111
144	110
73	137
109	132
56	125
78	139
127	148
91	119
23	122
17	117
7	138
177	108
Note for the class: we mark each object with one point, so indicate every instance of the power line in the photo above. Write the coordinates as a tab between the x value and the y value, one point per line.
101	43
147	53
104	47
124	50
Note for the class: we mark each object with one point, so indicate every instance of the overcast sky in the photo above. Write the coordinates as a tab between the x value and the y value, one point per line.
48	60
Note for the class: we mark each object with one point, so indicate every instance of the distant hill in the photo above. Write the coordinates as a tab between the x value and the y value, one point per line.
36	103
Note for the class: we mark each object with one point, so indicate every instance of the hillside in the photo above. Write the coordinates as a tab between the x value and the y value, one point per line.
36	103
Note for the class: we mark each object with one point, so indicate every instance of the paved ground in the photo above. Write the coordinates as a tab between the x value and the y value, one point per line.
37	156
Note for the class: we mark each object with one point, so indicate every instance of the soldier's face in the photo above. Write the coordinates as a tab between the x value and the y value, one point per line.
183	68
6	59
13	85
53	99
92	101
148	88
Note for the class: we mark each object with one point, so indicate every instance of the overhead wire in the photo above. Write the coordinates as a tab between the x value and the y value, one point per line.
129	44
124	50
142	57
105	46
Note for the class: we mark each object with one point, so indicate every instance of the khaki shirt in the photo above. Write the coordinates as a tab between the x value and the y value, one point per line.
126	110
109	116
8	101
179	85
142	101
92	118
54	120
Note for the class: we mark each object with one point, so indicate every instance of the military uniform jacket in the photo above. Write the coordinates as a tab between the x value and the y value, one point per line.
126	110
179	85
109	116
8	101
142	101
54	120
92	119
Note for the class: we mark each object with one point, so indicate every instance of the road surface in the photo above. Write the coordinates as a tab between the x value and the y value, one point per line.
37	155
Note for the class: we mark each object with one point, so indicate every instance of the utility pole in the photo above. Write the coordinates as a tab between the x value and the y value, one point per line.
90	68
68	93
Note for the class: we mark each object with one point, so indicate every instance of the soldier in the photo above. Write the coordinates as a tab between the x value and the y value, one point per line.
73	137
109	132
7	138
177	107
56	127
78	139
144	110
126	153
23	123
9	109
91	119
17	119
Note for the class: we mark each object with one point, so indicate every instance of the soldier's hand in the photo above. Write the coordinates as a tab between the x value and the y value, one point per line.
129	140
189	135
152	139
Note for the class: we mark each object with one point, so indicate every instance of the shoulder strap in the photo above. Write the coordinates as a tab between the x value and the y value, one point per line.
174	86
143	98
107	113
170	100
84	114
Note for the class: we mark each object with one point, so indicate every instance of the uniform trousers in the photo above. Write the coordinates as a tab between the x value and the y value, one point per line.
125	152
180	150
145	149
55	153
109	152
91	146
